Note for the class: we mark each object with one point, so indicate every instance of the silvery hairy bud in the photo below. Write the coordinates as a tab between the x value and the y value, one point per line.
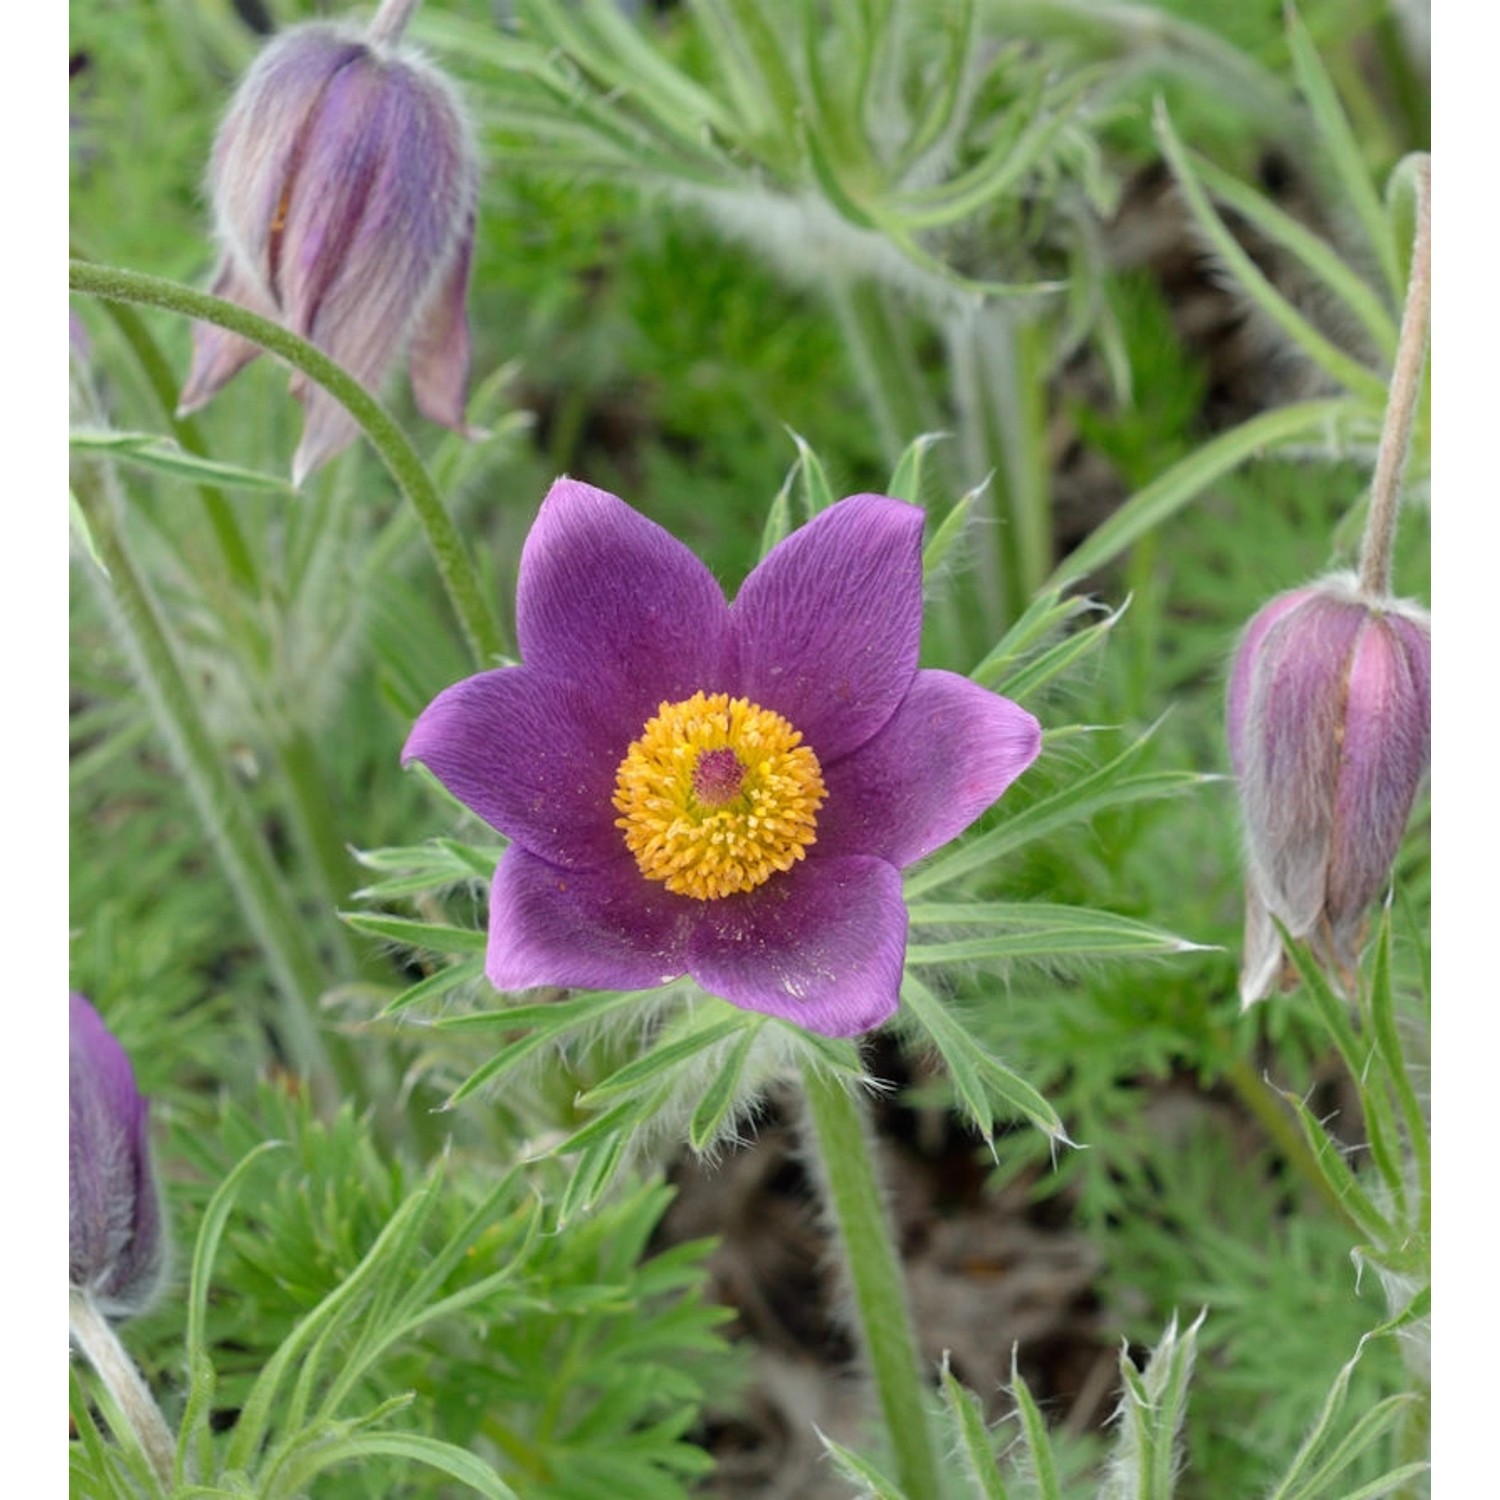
344	182
1330	722
116	1245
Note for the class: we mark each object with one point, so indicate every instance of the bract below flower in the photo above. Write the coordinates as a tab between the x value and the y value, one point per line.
727	791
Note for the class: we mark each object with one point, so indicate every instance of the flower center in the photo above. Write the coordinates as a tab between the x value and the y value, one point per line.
716	795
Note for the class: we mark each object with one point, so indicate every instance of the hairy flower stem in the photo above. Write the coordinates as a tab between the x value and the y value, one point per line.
846	1169
1401	407
278	927
390	21
102	1348
395	449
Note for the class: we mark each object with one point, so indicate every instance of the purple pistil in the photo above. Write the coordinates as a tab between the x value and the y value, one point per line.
718	777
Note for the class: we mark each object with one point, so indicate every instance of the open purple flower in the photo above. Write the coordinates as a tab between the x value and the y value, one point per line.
728	791
116	1248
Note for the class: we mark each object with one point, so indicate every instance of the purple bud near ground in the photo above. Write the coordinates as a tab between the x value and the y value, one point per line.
344	182
1330	722
116	1247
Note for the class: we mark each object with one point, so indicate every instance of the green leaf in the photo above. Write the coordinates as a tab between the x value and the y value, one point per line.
1343	147
860	1472
946	537
976	1449
81	529
148	450
1037	931
1056	659
979	1078
906	477
432	937
814	479
1187	479
1315	253
446	1458
1036	1437
448	978
1358	380
722	1093
663	1058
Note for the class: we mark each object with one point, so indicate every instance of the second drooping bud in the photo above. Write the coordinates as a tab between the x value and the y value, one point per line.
344	181
1329	732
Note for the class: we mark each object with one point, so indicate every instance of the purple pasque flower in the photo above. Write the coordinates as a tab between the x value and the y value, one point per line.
116	1245
728	791
1330	724
344	181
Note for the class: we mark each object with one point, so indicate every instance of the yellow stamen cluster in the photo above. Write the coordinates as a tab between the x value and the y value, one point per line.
707	825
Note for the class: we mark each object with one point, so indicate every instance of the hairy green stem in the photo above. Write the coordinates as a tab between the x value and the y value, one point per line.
278	927
1401	407
845	1164
102	1348
395	449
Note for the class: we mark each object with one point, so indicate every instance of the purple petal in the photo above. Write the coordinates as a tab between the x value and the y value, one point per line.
1383	759
947	753
327	429
1246	655
219	354
261	140
532	756
829	625
823	945
608	928
1288	781
439	360
115	1246
609	599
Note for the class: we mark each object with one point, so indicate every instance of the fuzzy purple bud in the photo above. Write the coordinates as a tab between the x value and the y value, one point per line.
116	1248
1330	723
344	182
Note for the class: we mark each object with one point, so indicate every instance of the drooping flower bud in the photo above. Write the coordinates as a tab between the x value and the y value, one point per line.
116	1246
1330	717
344	182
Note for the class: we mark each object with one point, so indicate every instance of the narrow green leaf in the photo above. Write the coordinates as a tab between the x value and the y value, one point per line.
1343	147
1056	659
976	1450
435	984
663	1058
414	1448
1036	1437
722	1092
1021	930
1349	373
150	451
79	524
1315	253
1187	479
935	554
859	1471
432	937
906	477
814	478
1335	1170
978	1077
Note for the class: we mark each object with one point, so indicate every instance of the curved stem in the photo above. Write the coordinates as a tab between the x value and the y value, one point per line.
395	449
847	1176
1401	406
101	1346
